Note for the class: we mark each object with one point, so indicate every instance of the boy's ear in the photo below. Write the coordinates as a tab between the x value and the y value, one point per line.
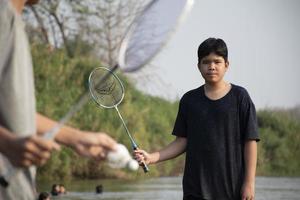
227	64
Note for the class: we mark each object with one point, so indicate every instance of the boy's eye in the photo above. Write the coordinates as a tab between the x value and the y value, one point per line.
205	62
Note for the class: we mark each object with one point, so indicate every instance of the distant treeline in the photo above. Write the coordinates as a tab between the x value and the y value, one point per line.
60	80
279	148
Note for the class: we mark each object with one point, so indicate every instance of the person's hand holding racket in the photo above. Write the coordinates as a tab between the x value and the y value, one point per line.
142	156
173	150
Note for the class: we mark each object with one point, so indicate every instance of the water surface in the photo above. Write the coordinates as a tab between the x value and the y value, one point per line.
168	188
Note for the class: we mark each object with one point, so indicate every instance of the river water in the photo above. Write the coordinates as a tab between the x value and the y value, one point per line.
168	188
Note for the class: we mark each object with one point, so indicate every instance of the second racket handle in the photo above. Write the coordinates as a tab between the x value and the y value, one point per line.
144	166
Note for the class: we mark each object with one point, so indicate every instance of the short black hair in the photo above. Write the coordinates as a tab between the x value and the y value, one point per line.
213	45
53	191
43	195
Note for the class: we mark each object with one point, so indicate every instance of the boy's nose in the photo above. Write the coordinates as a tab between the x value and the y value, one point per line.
211	66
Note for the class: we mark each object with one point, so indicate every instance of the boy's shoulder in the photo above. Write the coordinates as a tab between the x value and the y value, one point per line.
193	96
239	90
193	93
241	94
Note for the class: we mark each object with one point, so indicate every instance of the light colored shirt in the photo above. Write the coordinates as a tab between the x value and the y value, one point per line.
17	99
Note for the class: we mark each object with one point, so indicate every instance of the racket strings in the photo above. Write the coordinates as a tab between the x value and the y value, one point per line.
107	88
109	92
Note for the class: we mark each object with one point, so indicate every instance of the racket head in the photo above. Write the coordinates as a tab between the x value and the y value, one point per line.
150	31
105	87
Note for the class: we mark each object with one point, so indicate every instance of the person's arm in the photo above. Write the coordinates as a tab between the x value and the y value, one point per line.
66	135
250	156
89	144
173	150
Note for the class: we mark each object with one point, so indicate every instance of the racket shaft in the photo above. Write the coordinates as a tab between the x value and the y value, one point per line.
134	145
126	129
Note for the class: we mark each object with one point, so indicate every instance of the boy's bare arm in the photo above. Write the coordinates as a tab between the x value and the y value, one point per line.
250	154
173	150
250	160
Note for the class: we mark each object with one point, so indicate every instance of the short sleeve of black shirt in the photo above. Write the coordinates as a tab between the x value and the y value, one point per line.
248	117
180	126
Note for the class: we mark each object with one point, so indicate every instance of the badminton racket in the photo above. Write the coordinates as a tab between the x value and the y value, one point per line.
109	94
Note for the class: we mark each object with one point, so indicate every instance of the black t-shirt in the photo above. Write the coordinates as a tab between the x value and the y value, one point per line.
216	131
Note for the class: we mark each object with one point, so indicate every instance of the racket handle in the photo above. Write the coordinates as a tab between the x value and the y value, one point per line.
144	166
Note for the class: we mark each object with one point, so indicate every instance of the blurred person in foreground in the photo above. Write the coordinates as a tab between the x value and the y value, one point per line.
21	127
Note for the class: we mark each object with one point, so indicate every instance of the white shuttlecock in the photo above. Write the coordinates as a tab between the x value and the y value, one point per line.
133	165
120	158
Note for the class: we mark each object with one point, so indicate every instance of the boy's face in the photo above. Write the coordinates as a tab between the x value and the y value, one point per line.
213	68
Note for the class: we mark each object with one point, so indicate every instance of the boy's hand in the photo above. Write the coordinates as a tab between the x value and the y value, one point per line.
248	191
142	156
28	151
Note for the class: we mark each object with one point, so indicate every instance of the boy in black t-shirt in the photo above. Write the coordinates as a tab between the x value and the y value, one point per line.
216	126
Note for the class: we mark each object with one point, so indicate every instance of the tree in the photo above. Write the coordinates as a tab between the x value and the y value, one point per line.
91	26
67	23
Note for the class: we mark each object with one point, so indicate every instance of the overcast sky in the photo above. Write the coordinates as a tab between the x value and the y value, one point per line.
263	38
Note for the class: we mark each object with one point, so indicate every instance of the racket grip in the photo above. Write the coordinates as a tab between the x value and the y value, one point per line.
144	166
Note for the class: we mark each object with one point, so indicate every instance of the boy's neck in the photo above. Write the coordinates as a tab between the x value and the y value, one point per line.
217	90
215	86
